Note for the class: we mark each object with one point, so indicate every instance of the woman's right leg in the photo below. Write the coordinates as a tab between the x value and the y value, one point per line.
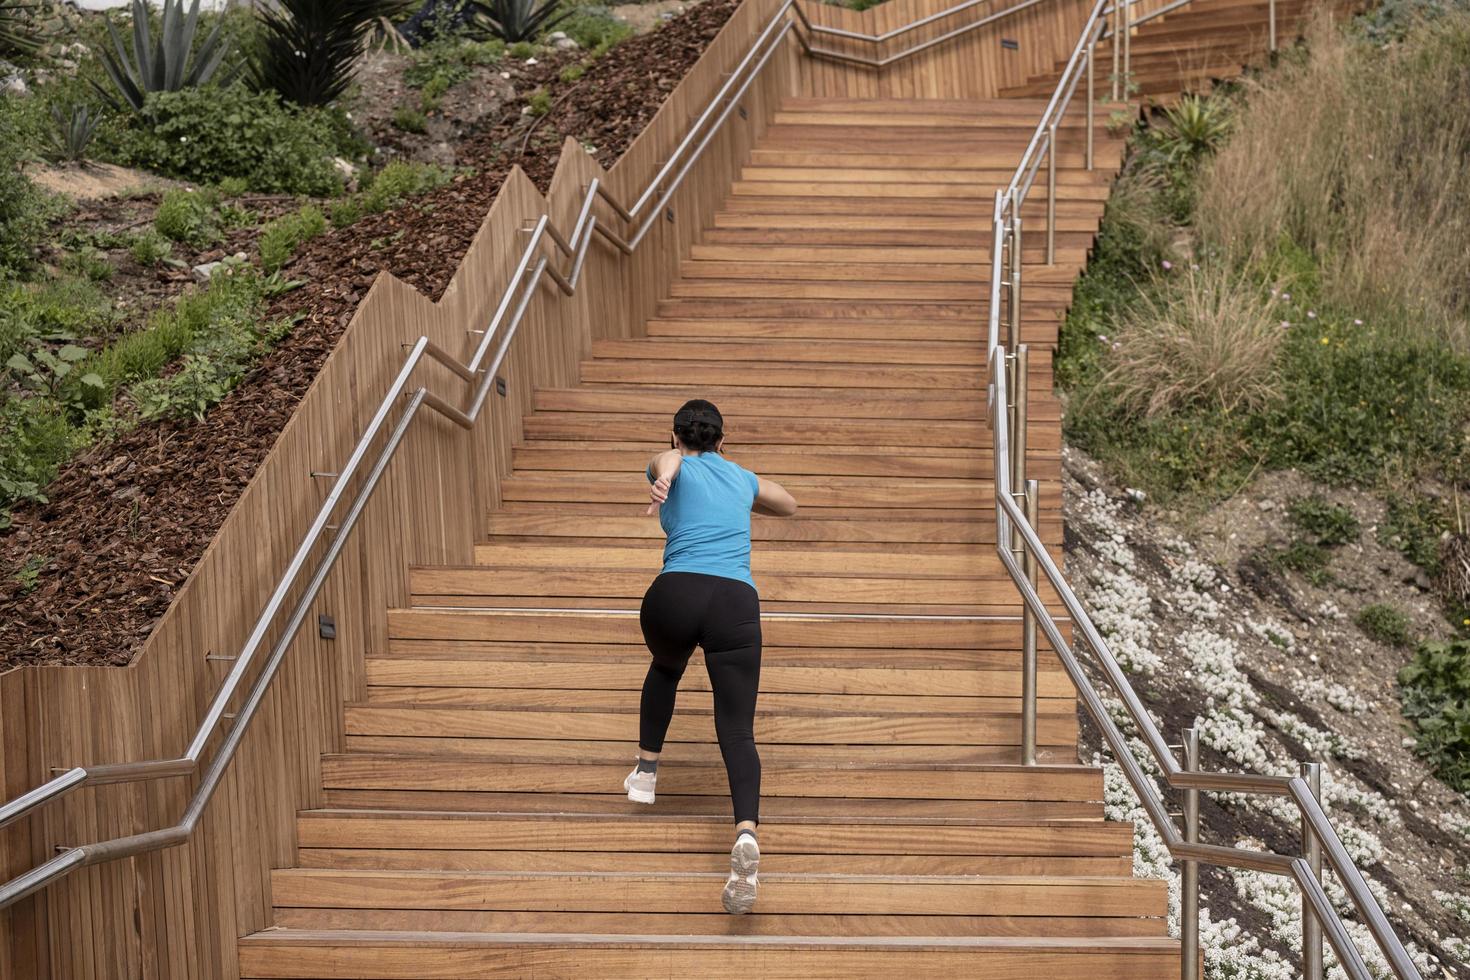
670	617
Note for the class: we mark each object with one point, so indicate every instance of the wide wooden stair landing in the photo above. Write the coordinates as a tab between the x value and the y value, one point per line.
475	824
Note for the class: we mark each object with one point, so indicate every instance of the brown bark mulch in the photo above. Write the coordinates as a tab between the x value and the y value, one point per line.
127	521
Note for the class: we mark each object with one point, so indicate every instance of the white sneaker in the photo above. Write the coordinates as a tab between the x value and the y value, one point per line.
745	860
640	785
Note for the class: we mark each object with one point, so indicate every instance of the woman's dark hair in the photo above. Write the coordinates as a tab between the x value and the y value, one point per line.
699	425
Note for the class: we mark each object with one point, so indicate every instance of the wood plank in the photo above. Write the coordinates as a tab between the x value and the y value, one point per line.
475	957
780	894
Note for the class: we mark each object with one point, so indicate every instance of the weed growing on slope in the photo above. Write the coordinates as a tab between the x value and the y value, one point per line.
1435	691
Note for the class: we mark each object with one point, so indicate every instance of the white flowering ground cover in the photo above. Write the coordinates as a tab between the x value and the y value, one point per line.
1267	686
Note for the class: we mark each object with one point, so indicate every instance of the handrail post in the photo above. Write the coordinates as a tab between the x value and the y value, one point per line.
1127	46
1028	624
1312	851
1271	13
1117	40
1051	194
1189	886
1091	52
1016	263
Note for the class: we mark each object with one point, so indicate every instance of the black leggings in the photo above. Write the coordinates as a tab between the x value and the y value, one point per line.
682	610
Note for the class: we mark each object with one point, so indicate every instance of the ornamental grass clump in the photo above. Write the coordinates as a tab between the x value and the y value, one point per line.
1356	155
1203	338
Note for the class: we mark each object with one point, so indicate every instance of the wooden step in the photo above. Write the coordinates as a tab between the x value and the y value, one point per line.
472	956
888	781
694	892
812	635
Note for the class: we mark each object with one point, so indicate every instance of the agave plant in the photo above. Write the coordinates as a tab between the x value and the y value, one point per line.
18	35
1193	128
312	46
517	20
162	64
74	131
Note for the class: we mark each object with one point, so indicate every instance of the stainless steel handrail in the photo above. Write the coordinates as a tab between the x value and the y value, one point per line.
1021	549
532	266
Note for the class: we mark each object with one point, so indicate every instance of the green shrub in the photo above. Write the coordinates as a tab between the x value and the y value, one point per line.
410	119
89	263
209	135
24	208
1305	557
539	102
150	248
232	187
1413	526
56	311
1383	623
280	239
1435	692
1327	523
450	61
571	73
398	181
595	28
35	438
229	301
345	211
186	217
521	50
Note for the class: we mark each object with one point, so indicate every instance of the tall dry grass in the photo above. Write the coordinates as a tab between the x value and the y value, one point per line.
1360	155
1204	338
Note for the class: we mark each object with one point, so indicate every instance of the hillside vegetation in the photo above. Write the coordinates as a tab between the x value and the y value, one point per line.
1267	373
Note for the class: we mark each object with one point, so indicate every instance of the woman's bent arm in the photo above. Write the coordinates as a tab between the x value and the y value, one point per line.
772	499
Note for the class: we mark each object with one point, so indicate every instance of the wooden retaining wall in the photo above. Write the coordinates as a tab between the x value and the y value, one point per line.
177	913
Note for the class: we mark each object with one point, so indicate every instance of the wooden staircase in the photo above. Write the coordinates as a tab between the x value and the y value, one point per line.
475	825
1193	48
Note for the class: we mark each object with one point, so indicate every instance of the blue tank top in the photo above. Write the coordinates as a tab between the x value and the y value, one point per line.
707	518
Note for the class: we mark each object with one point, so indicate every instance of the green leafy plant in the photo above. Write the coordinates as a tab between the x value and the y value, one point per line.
595	28
24	208
1327	523
89	263
571	73
410	119
45	371
1305	557
29	573
208	136
1383	623
150	248
521	50
517	20
450	61
1434	689
34	439
232	187
539	102
387	189
73	133
186	217
167	63
311	47
280	239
